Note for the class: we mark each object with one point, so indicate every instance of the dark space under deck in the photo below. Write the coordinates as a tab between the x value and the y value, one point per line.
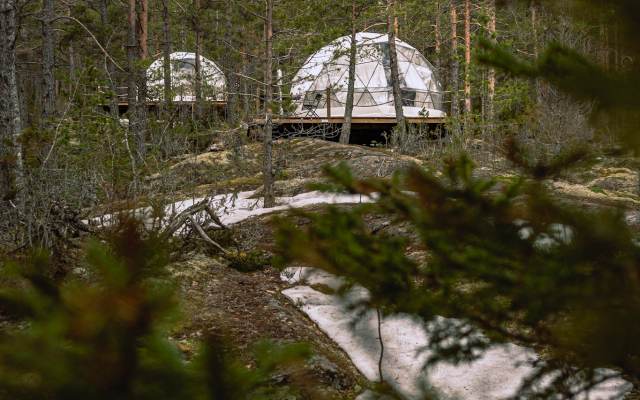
363	130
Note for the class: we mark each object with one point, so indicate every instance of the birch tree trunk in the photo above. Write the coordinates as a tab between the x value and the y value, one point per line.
348	111
395	78
166	65
111	68
10	124
268	177
48	60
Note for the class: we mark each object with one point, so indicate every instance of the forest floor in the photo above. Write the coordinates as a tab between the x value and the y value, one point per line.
249	307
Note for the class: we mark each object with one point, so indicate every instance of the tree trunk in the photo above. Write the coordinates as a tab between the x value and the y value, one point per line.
198	80
348	111
144	29
141	75
232	80
492	72
455	106
467	57
48	60
167	53
268	176
437	32
132	92
533	26
9	106
72	68
395	78
111	68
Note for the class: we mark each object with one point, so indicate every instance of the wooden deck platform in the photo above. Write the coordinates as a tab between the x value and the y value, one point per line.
340	120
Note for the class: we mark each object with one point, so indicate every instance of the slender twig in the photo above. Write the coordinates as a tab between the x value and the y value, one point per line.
94	38
381	346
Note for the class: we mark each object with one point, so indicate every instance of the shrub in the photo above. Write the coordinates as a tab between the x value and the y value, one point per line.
248	262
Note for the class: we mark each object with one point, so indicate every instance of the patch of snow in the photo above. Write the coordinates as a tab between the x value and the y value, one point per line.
497	374
235	208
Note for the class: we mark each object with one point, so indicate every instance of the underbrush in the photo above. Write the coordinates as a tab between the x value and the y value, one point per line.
248	262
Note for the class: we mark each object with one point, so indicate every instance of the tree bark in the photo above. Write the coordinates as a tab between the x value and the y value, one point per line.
141	75
144	29
455	106
268	176
348	111
10	124
232	80
492	72
395	78
198	80
533	26
111	68
48	60
167	53
132	92
437	33
467	57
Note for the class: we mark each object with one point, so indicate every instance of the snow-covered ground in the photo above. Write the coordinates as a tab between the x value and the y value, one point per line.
235	209
231	209
497	374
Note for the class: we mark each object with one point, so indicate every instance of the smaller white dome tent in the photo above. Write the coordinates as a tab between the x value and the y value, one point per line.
329	68
183	74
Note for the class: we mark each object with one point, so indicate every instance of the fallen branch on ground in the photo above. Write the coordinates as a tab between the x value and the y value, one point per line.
204	235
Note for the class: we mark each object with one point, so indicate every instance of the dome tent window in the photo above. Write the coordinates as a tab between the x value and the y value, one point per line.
183	75
187	65
329	69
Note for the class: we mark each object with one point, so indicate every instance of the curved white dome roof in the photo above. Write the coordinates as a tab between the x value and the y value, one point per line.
183	69
329	68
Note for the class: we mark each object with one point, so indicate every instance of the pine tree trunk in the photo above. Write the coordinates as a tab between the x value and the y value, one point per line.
533	26
48	60
455	106
72	67
9	106
132	90
141	75
111	68
395	78
491	29
268	177
232	80
348	111
467	57
198	82
167	53
437	32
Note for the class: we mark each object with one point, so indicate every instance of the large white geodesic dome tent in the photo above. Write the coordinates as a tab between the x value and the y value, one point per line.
329	68
183	74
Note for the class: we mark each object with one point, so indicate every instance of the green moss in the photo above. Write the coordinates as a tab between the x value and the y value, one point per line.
628	196
597	190
323	288
248	262
245	180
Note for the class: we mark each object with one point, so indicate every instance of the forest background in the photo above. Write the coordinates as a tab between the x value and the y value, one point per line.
63	61
65	158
